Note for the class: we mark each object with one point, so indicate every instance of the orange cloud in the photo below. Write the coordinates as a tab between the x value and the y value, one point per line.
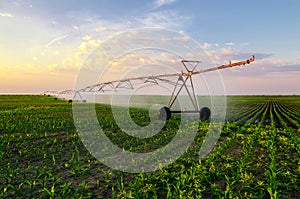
87	37
226	51
5	14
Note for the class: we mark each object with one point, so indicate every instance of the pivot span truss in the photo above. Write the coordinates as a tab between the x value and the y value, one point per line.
184	81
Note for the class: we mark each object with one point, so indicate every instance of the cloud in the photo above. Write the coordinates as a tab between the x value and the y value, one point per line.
2	14
206	46
62	48
265	65
286	68
266	68
56	40
163	19
87	37
226	51
77	41
142	60
159	3
235	55
95	43
229	44
56	52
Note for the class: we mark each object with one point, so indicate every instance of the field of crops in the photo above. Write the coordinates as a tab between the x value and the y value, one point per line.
257	155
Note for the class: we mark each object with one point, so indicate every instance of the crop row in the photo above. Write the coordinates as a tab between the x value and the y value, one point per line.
261	112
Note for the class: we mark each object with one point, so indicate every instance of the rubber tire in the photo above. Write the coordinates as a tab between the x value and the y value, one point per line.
204	114
164	114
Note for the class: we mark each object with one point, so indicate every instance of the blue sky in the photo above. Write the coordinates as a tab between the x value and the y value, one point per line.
44	42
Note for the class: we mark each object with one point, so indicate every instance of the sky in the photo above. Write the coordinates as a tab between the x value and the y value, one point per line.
44	43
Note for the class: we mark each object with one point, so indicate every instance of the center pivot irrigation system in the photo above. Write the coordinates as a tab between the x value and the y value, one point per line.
184	81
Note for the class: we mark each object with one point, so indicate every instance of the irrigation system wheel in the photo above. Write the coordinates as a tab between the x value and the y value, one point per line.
204	114
164	113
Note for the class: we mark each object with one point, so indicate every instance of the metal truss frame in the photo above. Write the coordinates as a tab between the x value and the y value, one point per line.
184	81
